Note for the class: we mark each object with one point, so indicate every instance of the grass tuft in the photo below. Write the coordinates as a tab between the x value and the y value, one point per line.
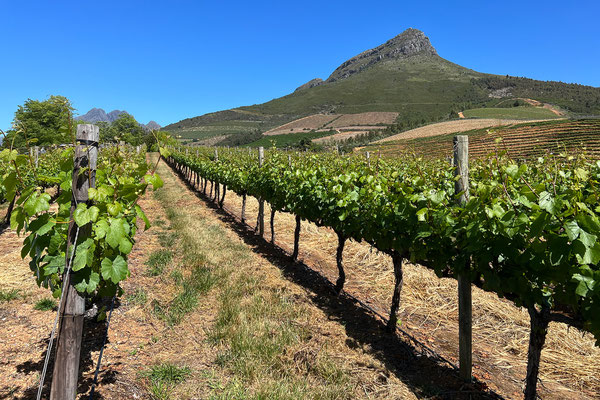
157	262
167	239
163	378
137	298
199	282
46	304
8	295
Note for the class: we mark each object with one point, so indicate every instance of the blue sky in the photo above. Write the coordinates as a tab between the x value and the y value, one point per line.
171	60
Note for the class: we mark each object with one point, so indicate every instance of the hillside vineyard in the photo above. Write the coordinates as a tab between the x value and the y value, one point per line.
527	232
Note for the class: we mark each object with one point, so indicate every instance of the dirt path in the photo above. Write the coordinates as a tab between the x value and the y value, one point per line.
550	107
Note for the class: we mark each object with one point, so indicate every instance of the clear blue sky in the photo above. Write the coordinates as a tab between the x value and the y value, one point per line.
171	60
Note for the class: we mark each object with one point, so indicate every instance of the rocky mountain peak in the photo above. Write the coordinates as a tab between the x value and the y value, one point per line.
407	44
99	115
310	84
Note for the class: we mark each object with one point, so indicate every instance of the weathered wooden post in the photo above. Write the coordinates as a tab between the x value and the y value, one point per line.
261	203
368	156
36	155
68	348
216	181
461	186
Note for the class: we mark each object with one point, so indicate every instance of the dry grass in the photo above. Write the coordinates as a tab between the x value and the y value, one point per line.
319	122
339	136
366	118
443	128
570	367
312	122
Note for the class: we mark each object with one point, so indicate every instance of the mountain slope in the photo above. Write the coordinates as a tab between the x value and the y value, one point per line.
404	75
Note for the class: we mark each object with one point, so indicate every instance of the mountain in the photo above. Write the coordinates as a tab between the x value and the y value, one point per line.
115	114
99	115
151	126
409	43
404	75
94	115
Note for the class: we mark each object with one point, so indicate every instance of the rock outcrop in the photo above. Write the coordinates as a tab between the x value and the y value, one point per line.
310	84
407	44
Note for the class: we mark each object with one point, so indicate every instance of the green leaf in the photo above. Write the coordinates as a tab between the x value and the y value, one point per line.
125	246
115	270
154	180
586	282
17	220
55	264
84	253
10	184
89	285
587	239
41	225
114	209
422	214
83	215
116	232
101	228
538	224
582	174
547	203
572	229
140	213
512	170
37	203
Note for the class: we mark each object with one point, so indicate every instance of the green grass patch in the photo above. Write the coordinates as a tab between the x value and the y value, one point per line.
8	295
157	262
158	222
199	282
138	298
511	113
163	378
46	304
167	239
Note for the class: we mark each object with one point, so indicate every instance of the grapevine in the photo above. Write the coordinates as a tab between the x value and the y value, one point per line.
100	263
529	230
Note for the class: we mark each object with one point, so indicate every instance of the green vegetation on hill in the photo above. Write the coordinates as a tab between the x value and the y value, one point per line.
290	139
511	113
576	98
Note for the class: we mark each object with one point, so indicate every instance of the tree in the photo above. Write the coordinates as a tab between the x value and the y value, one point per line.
41	123
127	129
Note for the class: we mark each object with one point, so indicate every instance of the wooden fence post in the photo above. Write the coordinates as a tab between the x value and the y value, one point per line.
368	156
216	182
68	348
36	155
461	164
261	202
